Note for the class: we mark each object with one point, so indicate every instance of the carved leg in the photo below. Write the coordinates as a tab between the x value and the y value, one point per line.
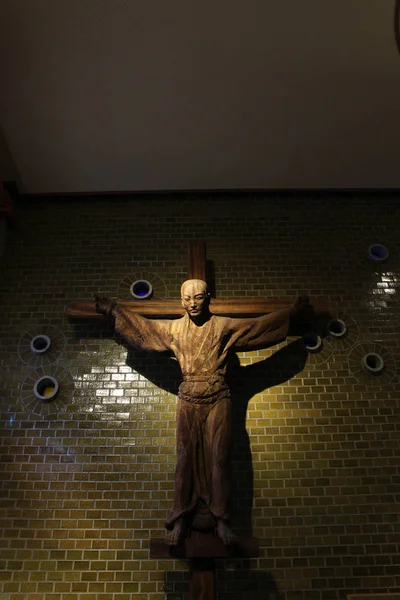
184	499
218	441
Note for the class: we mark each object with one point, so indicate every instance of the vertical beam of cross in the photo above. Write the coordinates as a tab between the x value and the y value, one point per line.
197	261
200	550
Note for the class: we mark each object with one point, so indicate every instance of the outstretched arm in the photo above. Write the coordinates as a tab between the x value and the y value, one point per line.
267	330
142	333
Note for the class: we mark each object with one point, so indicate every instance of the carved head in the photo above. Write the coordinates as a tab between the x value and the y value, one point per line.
195	298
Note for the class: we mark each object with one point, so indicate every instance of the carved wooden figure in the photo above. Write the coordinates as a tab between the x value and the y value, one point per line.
201	333
201	342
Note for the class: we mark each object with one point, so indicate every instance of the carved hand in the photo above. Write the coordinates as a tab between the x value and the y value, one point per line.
104	306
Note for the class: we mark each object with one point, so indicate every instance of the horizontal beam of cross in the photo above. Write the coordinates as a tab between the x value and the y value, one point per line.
172	309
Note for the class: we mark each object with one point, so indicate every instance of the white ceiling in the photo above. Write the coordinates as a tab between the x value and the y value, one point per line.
102	95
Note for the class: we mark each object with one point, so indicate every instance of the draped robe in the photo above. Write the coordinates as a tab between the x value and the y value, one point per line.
204	404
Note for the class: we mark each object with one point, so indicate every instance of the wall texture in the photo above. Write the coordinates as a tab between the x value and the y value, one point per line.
87	479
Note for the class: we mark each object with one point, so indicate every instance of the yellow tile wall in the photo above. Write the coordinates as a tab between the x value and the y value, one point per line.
87	482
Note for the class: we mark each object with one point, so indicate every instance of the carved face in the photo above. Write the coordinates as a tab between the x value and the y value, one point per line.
194	297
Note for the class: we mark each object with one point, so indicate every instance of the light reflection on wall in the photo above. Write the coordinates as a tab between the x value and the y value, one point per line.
388	282
385	284
112	392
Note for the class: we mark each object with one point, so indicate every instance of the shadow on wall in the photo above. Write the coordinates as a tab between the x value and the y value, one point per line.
245	382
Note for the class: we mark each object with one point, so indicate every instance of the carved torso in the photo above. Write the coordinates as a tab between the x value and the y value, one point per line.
200	350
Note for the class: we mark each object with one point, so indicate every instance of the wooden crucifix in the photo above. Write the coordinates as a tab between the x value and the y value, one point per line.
200	332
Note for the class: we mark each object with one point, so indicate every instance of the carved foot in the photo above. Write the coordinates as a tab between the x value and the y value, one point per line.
225	533
173	537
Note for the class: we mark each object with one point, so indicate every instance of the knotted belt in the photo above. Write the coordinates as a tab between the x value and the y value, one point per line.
203	388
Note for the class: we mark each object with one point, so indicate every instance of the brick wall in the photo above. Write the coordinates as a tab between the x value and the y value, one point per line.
88	479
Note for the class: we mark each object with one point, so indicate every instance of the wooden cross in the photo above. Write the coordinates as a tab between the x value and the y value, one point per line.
172	309
200	548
